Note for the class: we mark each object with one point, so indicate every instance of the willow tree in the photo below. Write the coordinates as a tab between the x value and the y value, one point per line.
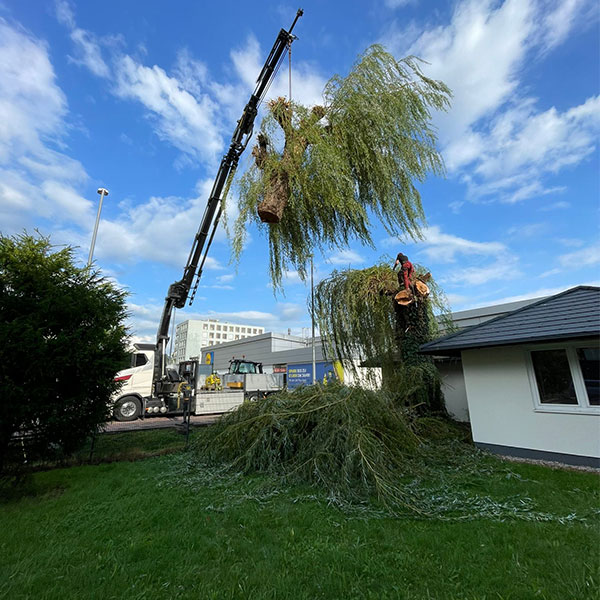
359	318
320	175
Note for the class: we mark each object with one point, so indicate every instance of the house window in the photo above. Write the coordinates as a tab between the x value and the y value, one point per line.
566	378
589	363
553	377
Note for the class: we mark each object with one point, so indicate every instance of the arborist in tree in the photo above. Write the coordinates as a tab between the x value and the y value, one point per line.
406	272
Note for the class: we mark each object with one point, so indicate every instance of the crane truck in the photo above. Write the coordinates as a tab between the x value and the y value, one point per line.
163	393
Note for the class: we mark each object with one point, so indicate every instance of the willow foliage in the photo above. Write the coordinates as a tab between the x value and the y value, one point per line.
351	442
359	319
339	166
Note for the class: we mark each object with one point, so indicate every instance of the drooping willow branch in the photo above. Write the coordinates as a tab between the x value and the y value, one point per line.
362	324
325	173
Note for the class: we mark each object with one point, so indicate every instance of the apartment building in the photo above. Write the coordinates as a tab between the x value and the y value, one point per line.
193	335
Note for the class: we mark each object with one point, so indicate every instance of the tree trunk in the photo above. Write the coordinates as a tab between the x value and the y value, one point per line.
270	210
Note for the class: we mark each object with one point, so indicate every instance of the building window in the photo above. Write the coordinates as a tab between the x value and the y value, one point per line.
566	378
589	363
553	377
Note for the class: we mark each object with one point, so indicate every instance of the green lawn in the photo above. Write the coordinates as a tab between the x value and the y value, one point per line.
129	530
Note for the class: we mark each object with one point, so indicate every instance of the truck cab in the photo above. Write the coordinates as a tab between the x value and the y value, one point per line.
136	383
243	366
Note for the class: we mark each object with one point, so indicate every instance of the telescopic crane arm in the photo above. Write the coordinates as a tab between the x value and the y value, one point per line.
179	291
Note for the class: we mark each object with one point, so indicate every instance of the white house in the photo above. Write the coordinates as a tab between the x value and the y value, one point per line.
532	378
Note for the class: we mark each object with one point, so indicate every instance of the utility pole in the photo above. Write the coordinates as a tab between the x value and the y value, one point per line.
103	192
312	317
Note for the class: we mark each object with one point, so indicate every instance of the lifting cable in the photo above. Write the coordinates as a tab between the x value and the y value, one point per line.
290	70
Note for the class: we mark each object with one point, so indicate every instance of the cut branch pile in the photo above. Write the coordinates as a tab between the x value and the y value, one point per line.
351	442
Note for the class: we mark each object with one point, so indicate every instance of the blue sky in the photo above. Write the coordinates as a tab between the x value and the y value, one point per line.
142	98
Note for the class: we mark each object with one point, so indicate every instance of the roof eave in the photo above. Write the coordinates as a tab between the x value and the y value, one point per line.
456	350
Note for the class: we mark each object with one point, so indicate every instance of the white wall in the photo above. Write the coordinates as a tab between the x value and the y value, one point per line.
502	409
367	377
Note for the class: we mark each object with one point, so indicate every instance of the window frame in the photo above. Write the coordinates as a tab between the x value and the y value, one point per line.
583	405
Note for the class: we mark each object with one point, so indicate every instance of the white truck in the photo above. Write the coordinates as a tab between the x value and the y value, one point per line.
245	381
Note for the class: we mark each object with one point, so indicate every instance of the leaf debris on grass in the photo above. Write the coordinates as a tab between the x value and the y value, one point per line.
354	449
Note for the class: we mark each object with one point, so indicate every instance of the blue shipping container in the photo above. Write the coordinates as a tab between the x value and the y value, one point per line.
301	374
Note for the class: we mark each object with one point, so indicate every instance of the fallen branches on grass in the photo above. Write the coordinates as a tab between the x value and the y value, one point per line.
351	442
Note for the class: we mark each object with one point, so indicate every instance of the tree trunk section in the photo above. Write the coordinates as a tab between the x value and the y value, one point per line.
270	210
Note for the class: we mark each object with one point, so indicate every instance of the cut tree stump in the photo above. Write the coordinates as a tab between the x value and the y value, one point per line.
419	291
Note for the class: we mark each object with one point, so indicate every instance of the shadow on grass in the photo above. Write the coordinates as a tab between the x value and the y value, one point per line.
127	446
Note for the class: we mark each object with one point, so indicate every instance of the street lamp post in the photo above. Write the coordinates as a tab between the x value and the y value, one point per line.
312	317
103	192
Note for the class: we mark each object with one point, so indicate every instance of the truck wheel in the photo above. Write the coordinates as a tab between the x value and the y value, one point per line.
128	408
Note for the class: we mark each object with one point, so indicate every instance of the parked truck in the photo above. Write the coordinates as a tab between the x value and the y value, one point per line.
167	383
244	381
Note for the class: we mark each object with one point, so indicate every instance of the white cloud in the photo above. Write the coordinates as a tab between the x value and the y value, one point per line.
36	180
291	278
494	132
503	269
528	231
444	247
186	107
548	141
480	262
132	237
86	44
558	23
144	318
307	84
581	258
32	106
394	4
532	295
190	123
346	257
560	205
571	242
226	278
477	55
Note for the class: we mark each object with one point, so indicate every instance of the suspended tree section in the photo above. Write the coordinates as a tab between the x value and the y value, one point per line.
320	175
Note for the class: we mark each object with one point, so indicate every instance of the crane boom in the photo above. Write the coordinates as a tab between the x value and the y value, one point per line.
179	291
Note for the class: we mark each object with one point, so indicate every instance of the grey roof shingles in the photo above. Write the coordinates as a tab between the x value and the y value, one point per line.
574	313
